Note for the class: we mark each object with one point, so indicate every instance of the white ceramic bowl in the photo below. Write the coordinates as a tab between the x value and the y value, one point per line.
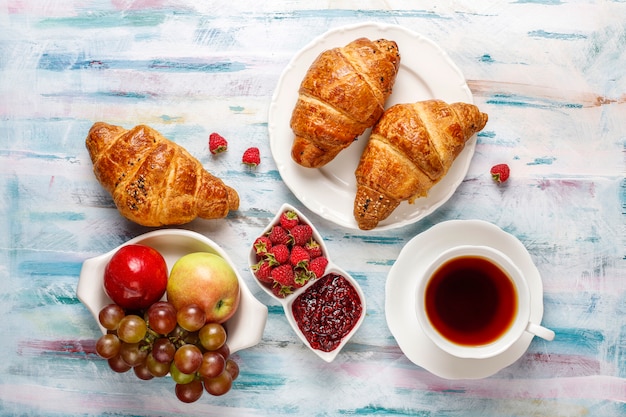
288	300
245	328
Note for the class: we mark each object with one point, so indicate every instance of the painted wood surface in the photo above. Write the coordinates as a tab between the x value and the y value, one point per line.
549	73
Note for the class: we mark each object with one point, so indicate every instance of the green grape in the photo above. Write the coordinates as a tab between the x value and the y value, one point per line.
219	385
188	358
110	316
117	364
156	368
212	336
133	353
163	350
180	377
142	372
212	364
132	329
108	346
191	317
161	317
190	392
233	368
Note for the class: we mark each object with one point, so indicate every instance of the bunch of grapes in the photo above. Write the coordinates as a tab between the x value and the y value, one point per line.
165	341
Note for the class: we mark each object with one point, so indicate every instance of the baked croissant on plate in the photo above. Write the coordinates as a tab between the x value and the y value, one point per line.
342	94
410	149
154	181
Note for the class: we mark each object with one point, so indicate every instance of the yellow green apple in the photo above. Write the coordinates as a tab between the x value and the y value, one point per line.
205	279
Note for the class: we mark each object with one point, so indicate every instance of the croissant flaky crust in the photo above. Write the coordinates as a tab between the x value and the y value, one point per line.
410	149
154	181
342	94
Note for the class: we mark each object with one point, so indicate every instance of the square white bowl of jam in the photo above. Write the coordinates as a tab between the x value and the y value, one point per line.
324	306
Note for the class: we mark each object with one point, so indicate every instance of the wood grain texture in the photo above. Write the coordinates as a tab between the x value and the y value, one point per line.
550	76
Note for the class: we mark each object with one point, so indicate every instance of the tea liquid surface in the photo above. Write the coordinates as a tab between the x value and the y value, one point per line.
470	301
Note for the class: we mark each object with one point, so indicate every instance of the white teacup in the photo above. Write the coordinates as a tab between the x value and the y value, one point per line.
474	302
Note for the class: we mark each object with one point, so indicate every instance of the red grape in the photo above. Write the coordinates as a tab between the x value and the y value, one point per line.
212	365
191	317
188	358
156	368
233	368
142	372
163	350
108	346
224	351
110	316
117	364
212	336
161	317
219	385
190	392
132	329
133	354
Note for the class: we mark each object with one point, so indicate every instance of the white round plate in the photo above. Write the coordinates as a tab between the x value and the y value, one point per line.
426	72
400	293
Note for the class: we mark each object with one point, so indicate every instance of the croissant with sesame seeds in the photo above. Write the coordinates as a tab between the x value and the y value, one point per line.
154	181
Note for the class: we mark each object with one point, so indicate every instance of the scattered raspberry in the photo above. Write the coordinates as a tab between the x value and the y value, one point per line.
217	143
317	266
278	235
500	173
278	254
299	257
251	157
301	234
289	219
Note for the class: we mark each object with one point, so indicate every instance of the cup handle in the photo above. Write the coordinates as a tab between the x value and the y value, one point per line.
540	331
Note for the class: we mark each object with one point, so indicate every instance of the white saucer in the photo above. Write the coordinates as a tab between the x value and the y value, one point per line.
425	72
399	296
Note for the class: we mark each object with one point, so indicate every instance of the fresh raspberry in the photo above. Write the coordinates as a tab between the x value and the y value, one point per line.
278	235
283	276
251	157
500	173
278	254
217	143
263	271
314	248
299	257
301	277
261	245
317	266
289	219
281	291
301	234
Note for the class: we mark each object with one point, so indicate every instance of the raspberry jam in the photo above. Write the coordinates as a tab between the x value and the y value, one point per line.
327	311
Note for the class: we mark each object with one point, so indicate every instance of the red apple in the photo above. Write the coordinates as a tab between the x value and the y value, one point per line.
135	277
205	279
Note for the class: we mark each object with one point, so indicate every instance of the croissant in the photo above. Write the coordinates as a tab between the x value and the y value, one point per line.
410	149
342	94
154	181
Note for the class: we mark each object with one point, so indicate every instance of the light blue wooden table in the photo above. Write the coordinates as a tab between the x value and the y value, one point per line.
551	76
